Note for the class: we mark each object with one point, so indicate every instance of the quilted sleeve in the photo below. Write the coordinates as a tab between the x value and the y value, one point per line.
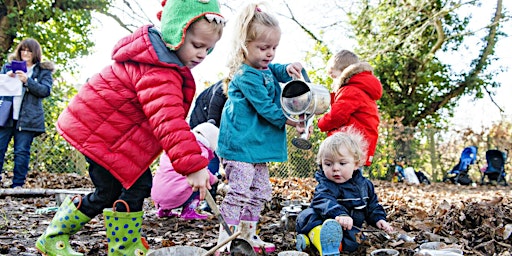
161	95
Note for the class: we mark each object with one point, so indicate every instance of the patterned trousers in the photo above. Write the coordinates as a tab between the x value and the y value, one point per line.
249	190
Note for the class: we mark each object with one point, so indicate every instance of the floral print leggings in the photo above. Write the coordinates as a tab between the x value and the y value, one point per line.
249	190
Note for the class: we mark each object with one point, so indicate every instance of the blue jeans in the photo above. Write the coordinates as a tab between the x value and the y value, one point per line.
22	143
108	189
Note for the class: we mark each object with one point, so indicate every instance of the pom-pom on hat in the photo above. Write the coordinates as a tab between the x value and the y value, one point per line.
210	132
178	15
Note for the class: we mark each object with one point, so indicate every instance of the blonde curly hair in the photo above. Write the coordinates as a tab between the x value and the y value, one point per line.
349	138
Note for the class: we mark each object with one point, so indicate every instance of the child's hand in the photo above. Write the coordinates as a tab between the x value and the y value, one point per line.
384	225
200	180
345	221
294	69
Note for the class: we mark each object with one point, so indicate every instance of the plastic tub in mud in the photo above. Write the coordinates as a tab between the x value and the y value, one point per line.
384	252
178	251
440	252
439	248
292	253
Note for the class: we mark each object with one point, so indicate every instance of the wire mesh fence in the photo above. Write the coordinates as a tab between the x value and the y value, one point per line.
51	153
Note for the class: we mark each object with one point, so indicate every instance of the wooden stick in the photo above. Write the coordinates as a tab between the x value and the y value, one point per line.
39	192
215	248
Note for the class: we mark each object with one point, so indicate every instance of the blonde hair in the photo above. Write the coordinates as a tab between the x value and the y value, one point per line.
341	60
349	138
250	23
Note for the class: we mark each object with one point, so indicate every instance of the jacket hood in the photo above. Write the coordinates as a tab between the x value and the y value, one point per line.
361	76
145	45
47	65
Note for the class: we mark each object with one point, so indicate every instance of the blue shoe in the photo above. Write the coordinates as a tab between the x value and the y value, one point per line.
302	242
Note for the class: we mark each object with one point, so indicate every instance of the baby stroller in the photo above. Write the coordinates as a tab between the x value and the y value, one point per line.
459	173
495	170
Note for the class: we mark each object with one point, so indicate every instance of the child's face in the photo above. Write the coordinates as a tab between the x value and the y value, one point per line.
331	71
262	50
339	167
199	39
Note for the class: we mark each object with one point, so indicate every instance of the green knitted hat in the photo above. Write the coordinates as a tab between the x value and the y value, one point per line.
178	15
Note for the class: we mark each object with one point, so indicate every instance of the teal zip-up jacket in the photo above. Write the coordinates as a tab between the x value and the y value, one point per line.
252	127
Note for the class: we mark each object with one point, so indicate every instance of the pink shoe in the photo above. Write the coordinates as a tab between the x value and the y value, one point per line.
162	213
189	211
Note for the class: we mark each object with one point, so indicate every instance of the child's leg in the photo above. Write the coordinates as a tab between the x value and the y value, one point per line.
135	195
236	197
240	176
106	190
260	193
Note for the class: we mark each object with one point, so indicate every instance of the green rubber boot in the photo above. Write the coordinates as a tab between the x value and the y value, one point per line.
123	232
67	221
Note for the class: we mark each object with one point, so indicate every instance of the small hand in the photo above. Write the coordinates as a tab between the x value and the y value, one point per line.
384	225
200	180
346	222
294	69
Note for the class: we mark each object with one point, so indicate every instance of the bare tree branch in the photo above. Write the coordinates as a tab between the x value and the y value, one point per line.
471	79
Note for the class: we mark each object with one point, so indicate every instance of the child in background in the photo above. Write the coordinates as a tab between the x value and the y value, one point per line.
353	103
171	190
343	200
122	119
252	128
208	108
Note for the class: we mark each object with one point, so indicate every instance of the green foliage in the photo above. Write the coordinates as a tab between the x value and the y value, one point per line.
403	41
63	28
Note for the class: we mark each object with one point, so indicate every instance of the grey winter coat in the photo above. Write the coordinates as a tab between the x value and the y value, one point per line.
37	87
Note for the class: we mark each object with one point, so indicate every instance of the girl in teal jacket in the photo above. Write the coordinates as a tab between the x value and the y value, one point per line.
252	128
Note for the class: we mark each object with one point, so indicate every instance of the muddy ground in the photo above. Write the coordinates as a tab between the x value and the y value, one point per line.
476	219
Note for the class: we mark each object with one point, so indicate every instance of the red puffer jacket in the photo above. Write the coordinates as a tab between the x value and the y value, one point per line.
124	116
354	104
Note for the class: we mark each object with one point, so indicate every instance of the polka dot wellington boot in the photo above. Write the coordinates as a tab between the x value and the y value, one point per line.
67	221
124	232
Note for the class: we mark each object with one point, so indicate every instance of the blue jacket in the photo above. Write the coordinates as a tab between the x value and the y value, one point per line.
252	127
208	105
355	198
38	87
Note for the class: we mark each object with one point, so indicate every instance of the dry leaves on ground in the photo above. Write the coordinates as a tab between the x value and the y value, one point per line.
476	219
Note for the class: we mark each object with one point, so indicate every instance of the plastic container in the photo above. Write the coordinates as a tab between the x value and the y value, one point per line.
178	251
384	252
292	253
432	245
